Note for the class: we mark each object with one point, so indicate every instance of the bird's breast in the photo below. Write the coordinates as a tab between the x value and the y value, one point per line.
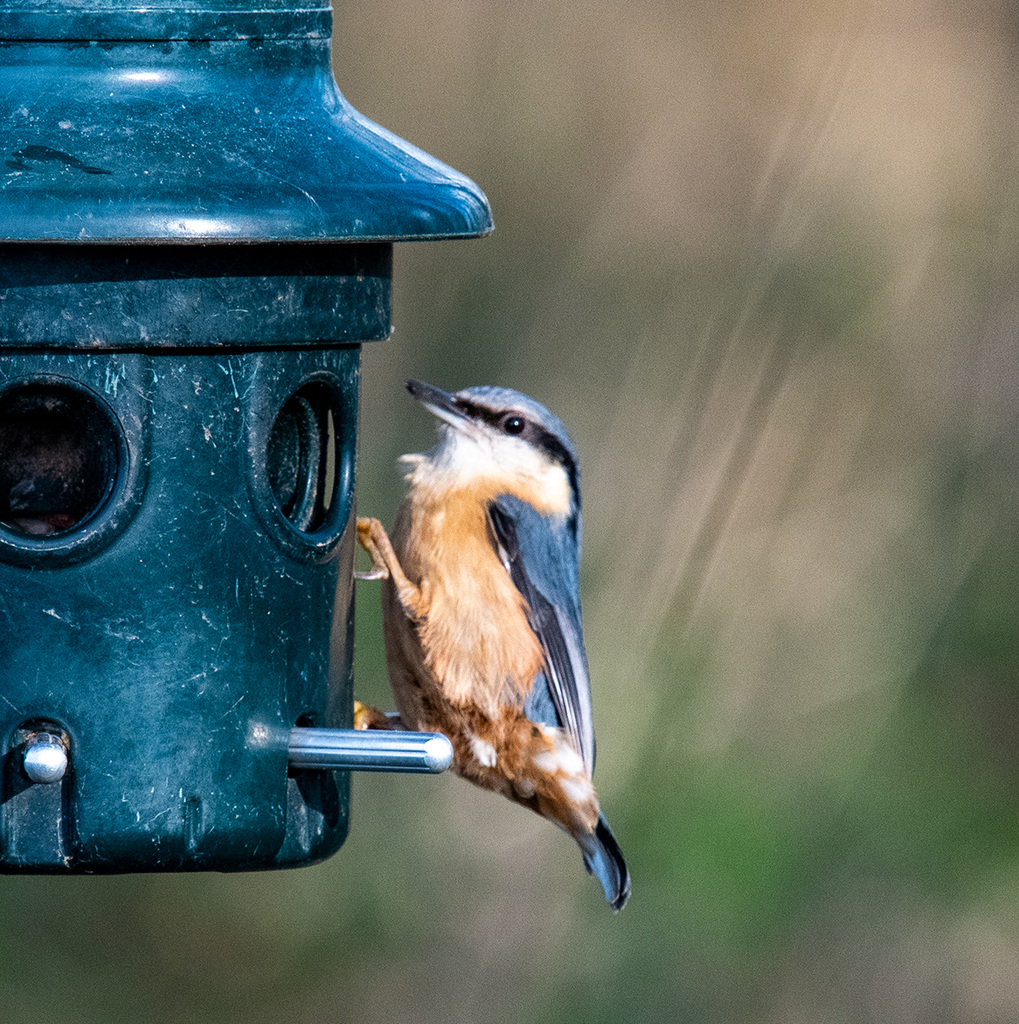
474	635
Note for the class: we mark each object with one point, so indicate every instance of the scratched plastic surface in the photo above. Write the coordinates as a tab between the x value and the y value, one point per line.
259	295
179	634
195	240
210	122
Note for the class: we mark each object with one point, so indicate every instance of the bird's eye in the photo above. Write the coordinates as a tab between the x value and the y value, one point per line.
513	425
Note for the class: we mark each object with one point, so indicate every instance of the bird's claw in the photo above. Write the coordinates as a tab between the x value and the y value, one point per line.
368	531
376	572
367	717
372	536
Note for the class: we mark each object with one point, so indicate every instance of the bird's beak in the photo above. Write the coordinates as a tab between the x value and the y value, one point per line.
439	403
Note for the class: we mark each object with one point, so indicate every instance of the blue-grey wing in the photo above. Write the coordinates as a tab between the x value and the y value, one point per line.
542	557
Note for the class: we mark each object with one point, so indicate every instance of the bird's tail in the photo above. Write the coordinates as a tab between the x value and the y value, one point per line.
604	860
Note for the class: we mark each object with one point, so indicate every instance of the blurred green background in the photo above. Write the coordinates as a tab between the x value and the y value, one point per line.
762	259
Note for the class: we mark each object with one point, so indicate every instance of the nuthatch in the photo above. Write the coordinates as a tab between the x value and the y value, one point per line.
481	611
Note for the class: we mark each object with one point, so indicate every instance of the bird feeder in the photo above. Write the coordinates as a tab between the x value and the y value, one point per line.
195	240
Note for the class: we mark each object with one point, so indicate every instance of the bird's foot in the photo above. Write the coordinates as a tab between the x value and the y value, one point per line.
376	572
368	533
372	536
367	717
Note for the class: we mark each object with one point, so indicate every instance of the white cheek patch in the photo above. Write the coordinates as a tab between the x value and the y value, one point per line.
484	752
522	461
546	762
464	453
467	454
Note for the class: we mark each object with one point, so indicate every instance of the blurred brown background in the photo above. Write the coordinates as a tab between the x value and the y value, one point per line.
761	258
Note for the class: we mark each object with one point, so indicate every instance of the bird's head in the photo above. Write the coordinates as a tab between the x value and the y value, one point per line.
499	440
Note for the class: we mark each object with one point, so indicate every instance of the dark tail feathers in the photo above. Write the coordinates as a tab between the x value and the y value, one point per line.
604	860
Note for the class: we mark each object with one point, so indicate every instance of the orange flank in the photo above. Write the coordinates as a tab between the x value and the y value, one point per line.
475	628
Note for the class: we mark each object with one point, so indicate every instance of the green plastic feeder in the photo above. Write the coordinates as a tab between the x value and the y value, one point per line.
195	239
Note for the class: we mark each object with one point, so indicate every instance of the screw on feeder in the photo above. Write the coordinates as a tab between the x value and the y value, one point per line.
45	759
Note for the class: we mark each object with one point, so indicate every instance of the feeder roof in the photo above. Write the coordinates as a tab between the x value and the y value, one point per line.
210	123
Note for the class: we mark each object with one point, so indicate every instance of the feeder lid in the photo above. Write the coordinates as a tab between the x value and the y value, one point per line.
204	122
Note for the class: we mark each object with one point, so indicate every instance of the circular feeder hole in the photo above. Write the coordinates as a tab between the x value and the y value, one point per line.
302	457
58	459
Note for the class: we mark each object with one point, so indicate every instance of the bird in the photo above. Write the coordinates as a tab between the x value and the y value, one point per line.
481	611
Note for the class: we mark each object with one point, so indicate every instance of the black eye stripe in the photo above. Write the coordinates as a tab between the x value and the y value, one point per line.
530	432
480	412
555	449
476	412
